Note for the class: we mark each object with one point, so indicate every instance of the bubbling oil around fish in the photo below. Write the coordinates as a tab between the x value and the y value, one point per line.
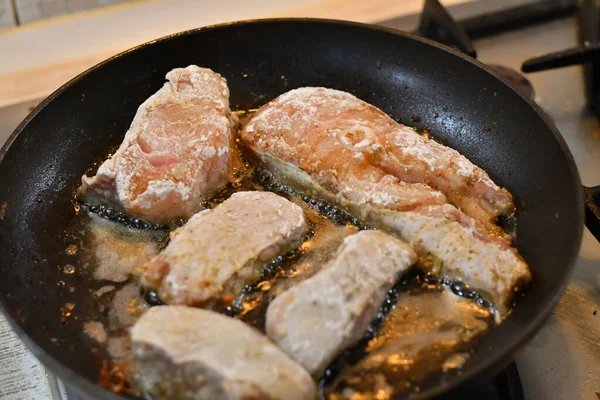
118	246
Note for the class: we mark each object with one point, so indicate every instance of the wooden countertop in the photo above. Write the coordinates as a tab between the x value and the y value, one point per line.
47	54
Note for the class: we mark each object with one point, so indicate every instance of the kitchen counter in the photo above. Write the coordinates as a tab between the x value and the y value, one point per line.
46	54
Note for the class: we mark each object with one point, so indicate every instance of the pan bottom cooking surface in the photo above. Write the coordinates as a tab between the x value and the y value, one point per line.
506	386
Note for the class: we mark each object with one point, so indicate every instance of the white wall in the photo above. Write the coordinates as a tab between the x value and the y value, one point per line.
34	10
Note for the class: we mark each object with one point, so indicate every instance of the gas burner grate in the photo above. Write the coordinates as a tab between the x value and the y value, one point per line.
587	54
437	24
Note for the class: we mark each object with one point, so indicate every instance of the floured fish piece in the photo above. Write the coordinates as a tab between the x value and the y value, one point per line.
454	248
452	244
424	334
177	150
314	123
320	317
189	353
300	143
220	251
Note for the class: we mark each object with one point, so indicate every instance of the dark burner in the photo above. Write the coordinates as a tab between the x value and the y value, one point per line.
506	386
517	80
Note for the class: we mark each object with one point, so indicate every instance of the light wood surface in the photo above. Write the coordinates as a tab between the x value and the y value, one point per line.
25	83
38	83
362	11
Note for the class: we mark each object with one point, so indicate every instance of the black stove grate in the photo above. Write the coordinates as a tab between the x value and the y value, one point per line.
588	54
506	386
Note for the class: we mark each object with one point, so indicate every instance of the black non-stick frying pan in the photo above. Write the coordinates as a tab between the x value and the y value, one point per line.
459	98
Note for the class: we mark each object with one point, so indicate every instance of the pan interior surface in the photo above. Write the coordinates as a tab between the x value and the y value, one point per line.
464	105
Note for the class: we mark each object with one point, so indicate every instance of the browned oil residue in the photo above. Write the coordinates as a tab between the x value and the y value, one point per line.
114	378
71	249
3	210
65	313
425	333
490	127
115	251
68	269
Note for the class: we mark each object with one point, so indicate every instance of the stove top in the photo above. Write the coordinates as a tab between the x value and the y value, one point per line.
563	360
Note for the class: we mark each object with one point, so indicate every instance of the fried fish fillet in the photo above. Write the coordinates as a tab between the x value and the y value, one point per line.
305	138
220	251
318	318
185	353
177	150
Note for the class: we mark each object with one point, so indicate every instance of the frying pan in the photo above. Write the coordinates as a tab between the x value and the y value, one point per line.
466	105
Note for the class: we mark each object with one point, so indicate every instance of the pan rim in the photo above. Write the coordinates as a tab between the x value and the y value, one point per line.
489	366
